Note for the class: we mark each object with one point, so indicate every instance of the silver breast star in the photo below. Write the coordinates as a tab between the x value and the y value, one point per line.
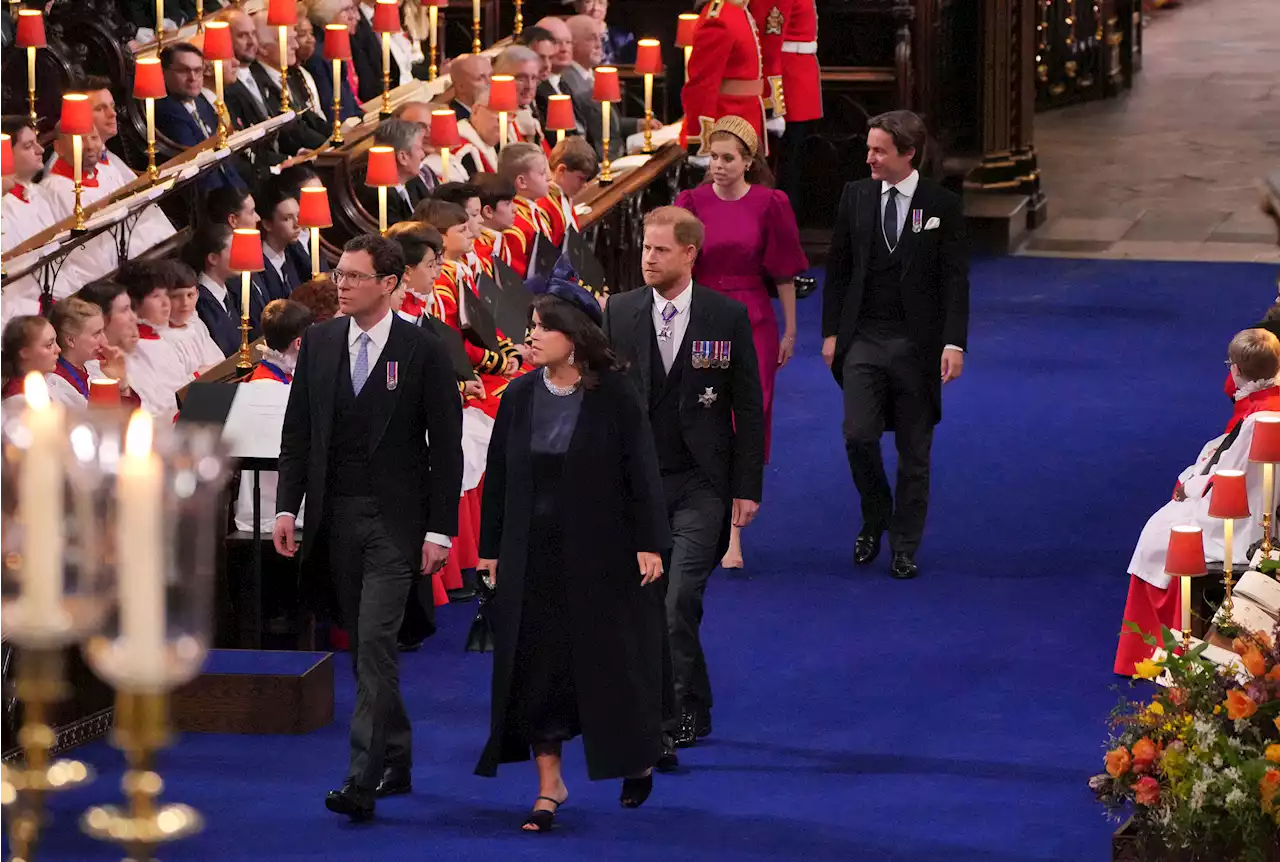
708	397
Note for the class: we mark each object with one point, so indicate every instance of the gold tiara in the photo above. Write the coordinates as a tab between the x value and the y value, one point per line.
740	129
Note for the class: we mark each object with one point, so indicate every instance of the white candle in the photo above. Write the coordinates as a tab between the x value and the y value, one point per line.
431	23
1268	494
77	159
31	67
386	53
382	209
604	115
502	129
217	86
444	164
245	278
1186	608
41	508
151	122
140	553
159	17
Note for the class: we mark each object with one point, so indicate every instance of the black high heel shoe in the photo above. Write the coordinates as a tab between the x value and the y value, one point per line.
636	790
541	817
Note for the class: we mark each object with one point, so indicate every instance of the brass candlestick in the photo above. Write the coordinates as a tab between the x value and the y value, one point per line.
199	16
142	728
337	101
152	171
648	112
77	147
34	118
40	682
284	70
433	20
1268	506
386	76
1228	543
519	23
475	27
606	172
220	108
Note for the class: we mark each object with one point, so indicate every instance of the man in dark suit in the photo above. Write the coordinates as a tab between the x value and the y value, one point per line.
373	439
588	52
366	56
310	130
184	116
470	75
895	321
409	140
693	360
322	73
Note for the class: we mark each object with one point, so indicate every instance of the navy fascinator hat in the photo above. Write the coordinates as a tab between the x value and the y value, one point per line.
563	284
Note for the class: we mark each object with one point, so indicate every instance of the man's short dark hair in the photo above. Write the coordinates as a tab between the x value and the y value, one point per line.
92	84
208	239
290	180
223	202
270	195
140	278
11	124
441	215
415	238
493	189
534	34
907	130
170	51
388	259
174	274
101	293
284	320
456	193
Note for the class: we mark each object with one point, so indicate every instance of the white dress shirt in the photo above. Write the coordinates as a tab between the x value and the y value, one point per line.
245	76
275	258
218	289
679	323
378	334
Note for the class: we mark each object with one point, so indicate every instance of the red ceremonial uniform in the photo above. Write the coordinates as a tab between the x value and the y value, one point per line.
517	240
725	71
801	77
557	209
454	278
488	245
770	18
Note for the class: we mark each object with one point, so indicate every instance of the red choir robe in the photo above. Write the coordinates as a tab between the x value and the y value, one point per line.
454	278
1154	599
519	238
557	209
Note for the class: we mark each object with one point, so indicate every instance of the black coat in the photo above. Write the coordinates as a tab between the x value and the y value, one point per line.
935	274
366	56
397	209
418	485
224	330
613	508
309	131
726	437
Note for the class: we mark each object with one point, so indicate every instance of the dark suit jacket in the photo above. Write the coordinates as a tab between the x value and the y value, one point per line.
462	111
306	133
544	92
935	274
591	115
176	123
726	436
418	485
222	328
297	269
397	210
322	71
366	54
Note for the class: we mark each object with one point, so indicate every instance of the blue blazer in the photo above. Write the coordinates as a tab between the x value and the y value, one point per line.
224	330
322	70
176	123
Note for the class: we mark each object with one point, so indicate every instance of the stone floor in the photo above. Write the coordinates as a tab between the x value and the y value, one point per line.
1170	169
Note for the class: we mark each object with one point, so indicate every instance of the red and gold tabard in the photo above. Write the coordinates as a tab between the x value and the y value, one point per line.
489	244
801	76
455	276
557	209
770	17
518	239
726	74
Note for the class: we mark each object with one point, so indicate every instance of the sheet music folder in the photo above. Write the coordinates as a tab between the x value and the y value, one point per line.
251	417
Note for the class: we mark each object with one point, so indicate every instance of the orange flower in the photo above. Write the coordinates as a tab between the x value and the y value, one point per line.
1253	661
1118	762
1274	674
1240	705
1144	754
1146	791
1273	753
1239	645
1178	696
1268	786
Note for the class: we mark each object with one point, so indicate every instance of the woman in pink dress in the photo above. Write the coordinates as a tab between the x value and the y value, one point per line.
751	241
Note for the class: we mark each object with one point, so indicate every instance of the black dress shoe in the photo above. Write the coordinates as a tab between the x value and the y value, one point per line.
668	761
395	780
703	727
356	804
866	548
904	568
635	791
461	594
409	645
686	734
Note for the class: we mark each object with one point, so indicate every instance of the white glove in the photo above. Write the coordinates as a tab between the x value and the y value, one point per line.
776	126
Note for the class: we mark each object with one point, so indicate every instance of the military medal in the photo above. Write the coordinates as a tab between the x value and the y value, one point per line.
699	354
917	221
708	396
393	375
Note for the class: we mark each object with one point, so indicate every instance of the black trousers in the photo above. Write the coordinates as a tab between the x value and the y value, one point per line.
697	514
791	167
373	580
885	385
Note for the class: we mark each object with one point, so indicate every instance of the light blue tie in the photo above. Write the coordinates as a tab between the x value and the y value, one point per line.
360	373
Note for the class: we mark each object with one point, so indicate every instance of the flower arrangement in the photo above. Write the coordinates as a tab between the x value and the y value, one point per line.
1199	763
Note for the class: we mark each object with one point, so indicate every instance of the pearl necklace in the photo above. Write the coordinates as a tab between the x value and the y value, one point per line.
562	391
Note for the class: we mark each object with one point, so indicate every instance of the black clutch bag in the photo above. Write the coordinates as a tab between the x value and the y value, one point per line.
480	636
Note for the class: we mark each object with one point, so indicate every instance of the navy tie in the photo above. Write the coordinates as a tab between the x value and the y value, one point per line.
891	219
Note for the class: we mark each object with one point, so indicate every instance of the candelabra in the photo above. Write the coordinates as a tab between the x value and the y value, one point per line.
77	121
648	63
386	21
246	259
29	34
337	47
148	85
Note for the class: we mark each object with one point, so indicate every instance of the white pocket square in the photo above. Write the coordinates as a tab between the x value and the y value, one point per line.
933	223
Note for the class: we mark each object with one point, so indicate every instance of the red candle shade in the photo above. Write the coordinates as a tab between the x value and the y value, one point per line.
282	13
104	392
386	16
382	167
1265	447
648	57
246	250
337	42
30	30
217	41
1229	497
502	94
606	88
1185	557
148	79
560	113
77	115
6	156
313	208
444	129
685	25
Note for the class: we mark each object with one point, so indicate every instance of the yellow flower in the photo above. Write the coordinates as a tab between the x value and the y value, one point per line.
1146	669
1156	708
1273	753
1217	709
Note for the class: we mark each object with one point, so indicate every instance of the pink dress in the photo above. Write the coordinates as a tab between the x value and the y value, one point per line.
749	242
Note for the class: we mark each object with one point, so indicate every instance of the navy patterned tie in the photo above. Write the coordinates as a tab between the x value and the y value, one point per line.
891	219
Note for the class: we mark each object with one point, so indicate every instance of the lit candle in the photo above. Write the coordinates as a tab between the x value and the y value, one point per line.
31	64
77	158
140	552
244	294
444	164
217	83
382	210
40	504
159	18
502	130
1186	609
386	52
432	12
1268	497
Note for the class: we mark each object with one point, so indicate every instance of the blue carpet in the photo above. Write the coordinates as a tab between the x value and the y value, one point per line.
953	718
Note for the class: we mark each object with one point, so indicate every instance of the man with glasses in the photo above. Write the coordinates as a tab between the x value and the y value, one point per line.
185	116
372	440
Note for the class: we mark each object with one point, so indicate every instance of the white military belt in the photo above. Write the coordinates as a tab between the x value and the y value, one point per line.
799	47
